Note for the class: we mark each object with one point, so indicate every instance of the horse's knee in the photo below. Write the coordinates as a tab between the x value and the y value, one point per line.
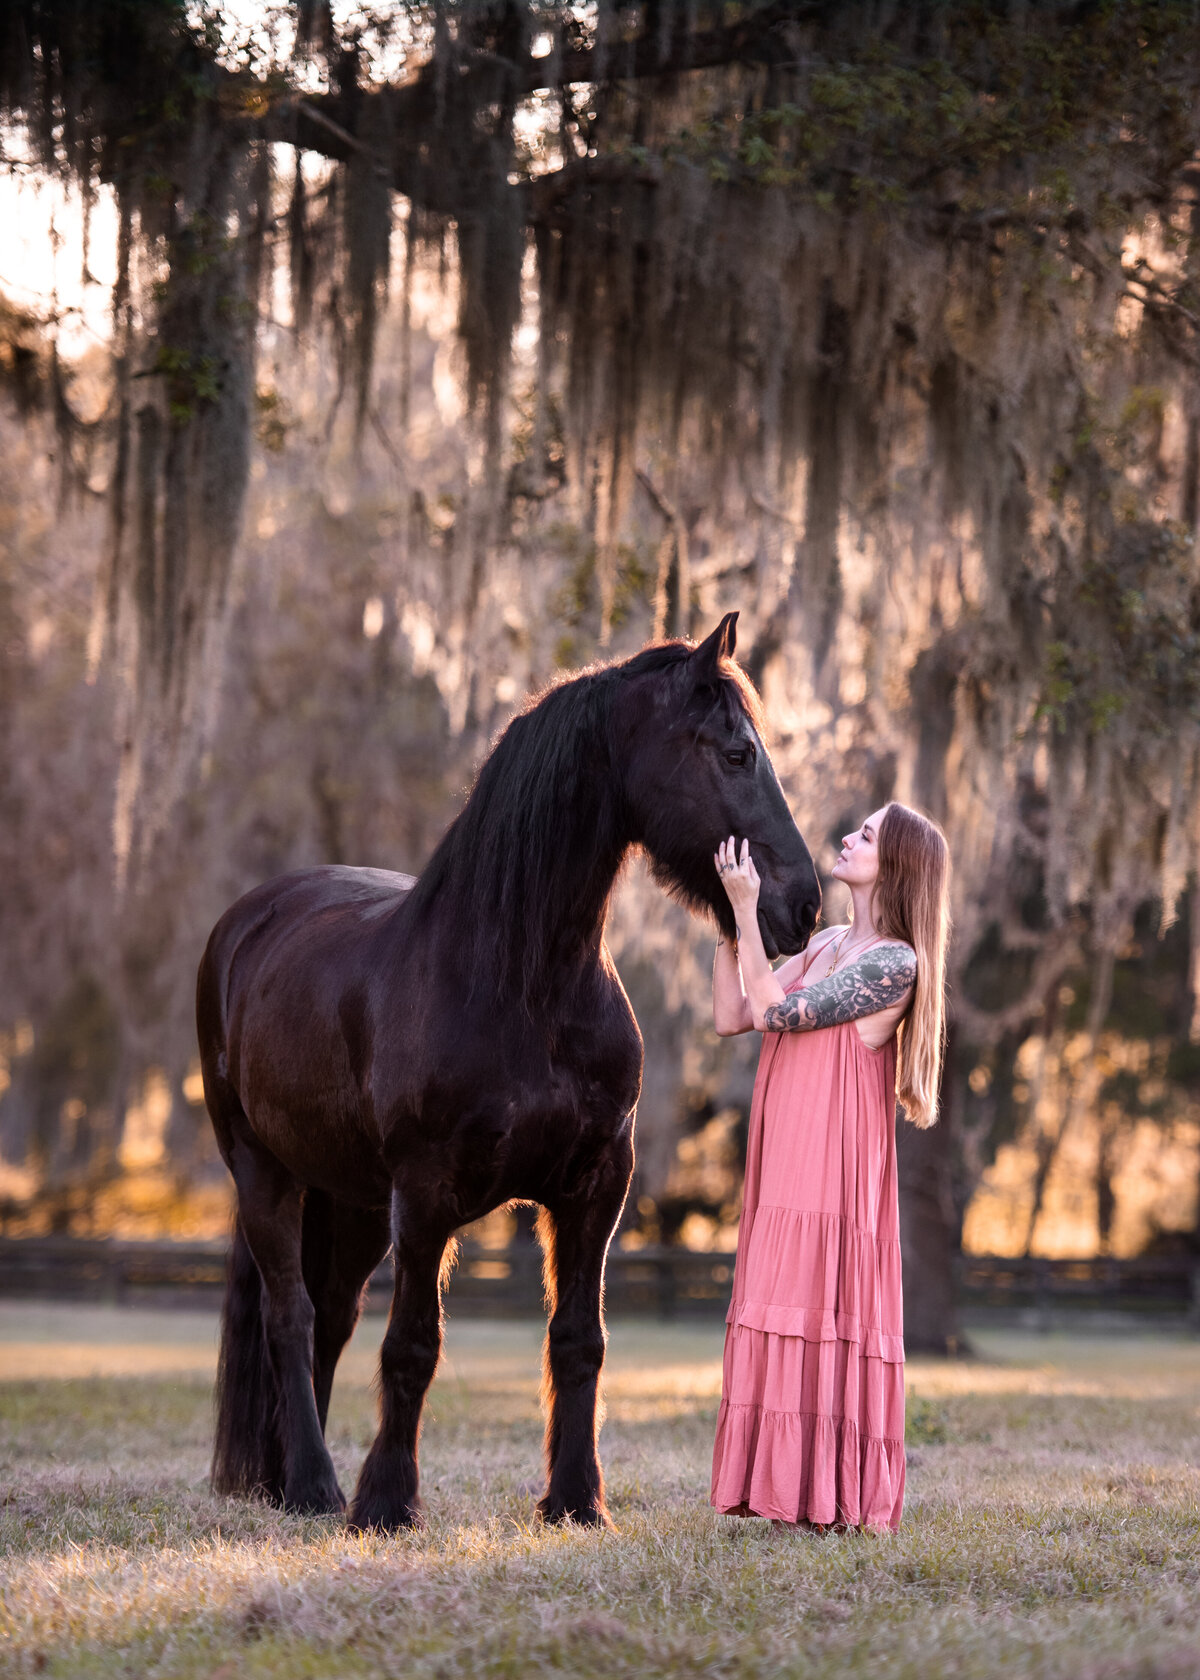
407	1364
576	1351
289	1317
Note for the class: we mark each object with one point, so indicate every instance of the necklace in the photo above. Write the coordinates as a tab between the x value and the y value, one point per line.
837	955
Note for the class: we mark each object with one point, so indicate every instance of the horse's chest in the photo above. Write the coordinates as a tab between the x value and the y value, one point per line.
540	1139
520	1117
581	1061
520	1100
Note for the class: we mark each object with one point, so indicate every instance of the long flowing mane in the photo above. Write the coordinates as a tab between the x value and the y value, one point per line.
530	860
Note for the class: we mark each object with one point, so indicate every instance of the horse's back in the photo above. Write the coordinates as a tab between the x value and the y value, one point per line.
286	1028
329	909
325	886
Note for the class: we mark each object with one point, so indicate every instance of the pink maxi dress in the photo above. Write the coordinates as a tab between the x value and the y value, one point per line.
811	1425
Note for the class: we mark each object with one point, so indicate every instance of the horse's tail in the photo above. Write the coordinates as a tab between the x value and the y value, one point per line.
248	1449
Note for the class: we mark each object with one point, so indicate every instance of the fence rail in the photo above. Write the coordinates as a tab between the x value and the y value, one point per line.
659	1282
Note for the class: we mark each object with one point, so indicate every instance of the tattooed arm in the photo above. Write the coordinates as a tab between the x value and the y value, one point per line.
878	979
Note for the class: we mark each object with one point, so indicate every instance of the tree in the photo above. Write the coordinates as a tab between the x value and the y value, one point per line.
885	321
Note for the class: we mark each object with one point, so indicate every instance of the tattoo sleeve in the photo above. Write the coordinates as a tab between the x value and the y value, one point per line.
875	981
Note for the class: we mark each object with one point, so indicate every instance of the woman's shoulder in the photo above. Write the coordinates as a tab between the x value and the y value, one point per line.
887	943
897	955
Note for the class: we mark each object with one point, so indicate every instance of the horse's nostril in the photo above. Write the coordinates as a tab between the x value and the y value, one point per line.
806	916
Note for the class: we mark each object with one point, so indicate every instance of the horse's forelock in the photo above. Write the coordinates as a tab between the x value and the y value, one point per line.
740	695
736	692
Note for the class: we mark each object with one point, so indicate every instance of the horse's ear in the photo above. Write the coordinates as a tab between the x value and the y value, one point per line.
706	660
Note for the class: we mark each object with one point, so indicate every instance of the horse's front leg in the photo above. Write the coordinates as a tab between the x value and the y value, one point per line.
576	1236
386	1496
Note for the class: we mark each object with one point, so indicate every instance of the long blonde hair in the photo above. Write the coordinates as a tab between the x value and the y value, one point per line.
911	901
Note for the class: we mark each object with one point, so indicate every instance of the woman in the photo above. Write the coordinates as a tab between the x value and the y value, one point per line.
811	1426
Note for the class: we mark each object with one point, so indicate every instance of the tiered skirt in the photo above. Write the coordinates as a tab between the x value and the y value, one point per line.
811	1425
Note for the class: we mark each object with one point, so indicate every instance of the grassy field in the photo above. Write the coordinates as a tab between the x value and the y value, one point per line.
1052	1529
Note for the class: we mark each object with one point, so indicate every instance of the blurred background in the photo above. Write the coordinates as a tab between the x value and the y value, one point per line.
363	369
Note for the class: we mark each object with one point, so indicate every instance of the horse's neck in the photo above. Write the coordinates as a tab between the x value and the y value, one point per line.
572	897
581	895
538	930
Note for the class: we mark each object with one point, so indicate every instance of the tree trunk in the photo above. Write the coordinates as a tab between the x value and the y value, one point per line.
929	1239
930	1219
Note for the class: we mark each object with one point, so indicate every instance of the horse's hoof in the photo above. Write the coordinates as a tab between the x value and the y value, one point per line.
324	1500
362	1519
586	1515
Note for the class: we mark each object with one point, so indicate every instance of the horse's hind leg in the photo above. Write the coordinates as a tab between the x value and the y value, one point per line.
386	1496
270	1212
247	1449
342	1245
576	1232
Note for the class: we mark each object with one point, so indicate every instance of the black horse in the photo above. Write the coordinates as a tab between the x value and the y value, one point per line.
386	1060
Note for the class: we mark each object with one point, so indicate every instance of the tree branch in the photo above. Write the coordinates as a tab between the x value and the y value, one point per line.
988	1026
327	123
747	39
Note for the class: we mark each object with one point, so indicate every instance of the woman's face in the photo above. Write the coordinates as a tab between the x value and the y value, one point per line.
858	861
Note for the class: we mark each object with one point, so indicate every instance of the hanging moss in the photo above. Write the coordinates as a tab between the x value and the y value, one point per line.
367	235
865	272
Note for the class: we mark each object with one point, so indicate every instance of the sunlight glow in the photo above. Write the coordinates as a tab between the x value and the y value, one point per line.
42	250
372	617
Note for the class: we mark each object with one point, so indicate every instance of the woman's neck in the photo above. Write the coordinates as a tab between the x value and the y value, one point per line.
862	922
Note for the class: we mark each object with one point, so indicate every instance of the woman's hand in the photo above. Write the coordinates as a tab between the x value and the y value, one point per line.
740	880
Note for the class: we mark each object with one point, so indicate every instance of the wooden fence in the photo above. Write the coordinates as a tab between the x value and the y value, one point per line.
658	1282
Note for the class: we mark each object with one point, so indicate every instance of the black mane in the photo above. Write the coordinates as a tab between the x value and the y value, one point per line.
530	860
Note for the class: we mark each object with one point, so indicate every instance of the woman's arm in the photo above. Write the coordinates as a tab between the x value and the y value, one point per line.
731	1007
731	1012
740	880
877	980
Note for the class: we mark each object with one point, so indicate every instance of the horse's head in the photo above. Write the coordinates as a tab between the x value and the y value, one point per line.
696	771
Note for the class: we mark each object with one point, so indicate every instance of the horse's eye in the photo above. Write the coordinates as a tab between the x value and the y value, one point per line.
740	757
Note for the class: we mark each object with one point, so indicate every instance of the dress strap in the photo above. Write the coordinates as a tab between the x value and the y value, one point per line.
802	978
879	939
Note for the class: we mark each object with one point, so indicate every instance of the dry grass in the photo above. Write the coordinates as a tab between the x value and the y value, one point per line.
1053	1526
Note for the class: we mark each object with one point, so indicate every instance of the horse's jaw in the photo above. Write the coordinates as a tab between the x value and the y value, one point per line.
770	943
